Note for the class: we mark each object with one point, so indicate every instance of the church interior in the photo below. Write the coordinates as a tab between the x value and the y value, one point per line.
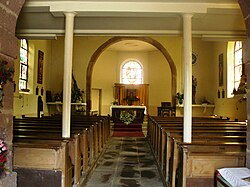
179	68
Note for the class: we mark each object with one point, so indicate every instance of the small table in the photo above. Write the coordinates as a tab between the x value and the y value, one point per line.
58	106
197	110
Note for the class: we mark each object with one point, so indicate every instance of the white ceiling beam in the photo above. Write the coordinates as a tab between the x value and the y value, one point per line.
78	32
57	7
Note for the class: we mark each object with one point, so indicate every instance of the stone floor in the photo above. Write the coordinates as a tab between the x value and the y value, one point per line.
127	162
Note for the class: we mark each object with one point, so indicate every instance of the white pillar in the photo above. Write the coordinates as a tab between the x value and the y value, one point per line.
67	76
187	64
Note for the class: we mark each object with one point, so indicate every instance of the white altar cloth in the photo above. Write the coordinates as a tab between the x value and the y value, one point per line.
127	106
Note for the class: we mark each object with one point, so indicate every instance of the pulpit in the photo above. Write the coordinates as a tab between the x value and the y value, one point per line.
139	112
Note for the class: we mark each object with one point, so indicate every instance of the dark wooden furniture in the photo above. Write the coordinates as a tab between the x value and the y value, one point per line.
55	159
166	111
216	143
131	94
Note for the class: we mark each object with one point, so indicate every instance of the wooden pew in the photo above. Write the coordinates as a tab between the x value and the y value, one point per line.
222	138
159	119
194	166
22	127
103	128
103	125
176	127
32	129
154	127
46	155
202	128
178	120
58	122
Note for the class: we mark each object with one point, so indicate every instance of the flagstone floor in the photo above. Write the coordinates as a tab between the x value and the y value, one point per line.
127	162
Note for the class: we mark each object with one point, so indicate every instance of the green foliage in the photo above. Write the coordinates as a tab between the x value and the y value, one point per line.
180	96
127	117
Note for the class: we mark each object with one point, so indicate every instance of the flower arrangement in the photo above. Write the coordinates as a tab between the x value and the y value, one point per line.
3	157
127	117
6	73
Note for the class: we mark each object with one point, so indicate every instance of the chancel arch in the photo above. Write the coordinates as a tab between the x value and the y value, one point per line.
114	40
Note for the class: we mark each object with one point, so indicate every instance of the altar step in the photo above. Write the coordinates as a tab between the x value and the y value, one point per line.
127	129
131	127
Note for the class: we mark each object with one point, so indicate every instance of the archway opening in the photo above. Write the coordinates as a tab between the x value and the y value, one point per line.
114	40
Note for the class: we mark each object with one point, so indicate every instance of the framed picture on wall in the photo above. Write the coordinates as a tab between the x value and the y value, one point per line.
221	69
40	67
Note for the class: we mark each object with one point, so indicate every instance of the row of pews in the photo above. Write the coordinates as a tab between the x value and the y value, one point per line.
42	156
216	143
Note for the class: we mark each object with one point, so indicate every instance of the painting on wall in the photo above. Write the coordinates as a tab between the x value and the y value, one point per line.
221	69
40	67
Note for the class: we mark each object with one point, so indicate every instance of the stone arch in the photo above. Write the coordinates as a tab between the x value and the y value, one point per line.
114	40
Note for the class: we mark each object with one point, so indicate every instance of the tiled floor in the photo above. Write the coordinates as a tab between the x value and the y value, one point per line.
128	162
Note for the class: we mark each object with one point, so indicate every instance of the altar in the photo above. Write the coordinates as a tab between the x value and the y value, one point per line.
140	111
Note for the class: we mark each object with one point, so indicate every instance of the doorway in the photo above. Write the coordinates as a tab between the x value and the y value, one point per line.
96	104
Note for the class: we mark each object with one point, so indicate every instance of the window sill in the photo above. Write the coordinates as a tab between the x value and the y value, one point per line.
24	91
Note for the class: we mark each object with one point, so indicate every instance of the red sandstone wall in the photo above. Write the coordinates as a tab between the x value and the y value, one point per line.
9	11
245	7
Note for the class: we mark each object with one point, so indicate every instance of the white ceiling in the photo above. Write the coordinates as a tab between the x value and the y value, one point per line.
132	45
212	19
175	1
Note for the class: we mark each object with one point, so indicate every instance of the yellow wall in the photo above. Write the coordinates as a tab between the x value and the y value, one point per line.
159	81
107	72
229	107
26	103
104	77
204	71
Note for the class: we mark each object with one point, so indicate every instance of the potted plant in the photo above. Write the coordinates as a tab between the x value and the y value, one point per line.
180	97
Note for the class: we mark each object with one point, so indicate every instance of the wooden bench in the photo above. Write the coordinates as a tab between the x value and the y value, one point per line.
51	125
174	157
202	128
92	129
36	136
48	155
152	120
32	131
103	125
103	128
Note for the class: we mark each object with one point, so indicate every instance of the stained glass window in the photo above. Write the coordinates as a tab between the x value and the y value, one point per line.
131	72
237	63
23	79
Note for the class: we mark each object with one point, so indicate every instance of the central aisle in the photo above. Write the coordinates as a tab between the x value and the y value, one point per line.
127	162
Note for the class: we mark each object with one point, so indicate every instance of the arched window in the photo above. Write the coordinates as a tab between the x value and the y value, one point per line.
237	63
131	72
23	78
234	67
